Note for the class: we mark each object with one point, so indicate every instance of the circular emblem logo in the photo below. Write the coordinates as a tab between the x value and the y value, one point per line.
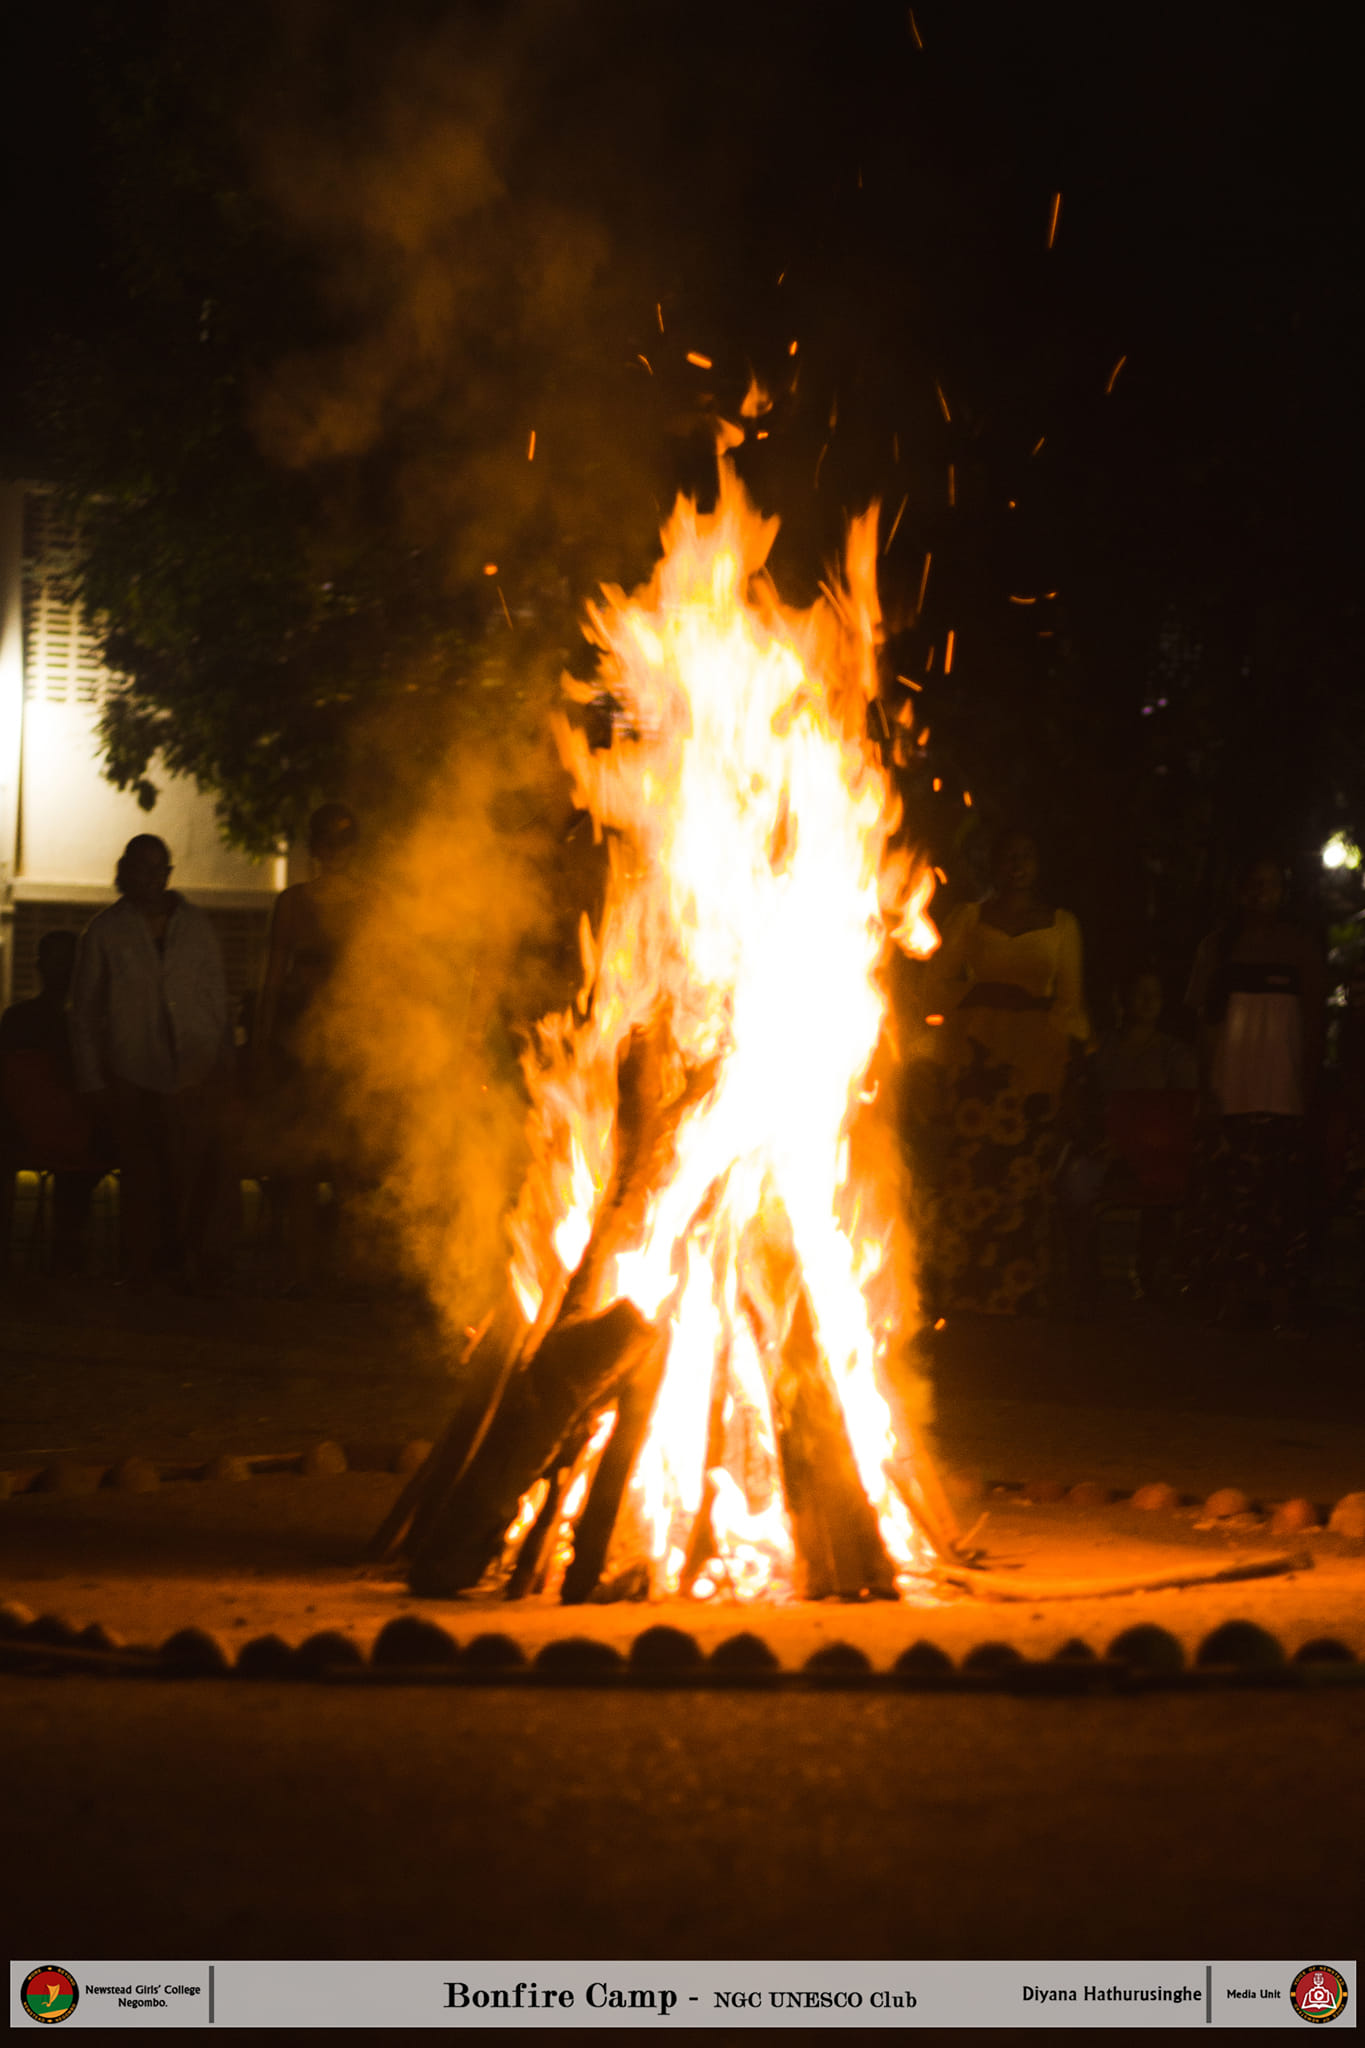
49	1994
1318	1993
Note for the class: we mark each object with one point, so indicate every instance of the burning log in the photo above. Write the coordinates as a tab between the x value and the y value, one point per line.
838	1544
654	1092
491	1358
530	1405
576	1369
701	1543
917	1480
756	882
528	1573
593	1530
571	1373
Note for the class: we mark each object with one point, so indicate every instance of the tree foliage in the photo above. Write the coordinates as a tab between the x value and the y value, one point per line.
353	259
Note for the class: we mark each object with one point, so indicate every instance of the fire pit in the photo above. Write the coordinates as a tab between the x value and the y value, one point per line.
700	1381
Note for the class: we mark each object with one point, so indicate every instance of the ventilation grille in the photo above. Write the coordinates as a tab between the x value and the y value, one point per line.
61	657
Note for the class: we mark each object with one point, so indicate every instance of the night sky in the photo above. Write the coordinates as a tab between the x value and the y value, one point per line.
1195	513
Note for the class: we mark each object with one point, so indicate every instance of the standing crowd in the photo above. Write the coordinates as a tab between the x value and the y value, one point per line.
1024	1126
129	1056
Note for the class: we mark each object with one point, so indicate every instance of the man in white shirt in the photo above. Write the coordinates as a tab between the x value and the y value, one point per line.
151	1037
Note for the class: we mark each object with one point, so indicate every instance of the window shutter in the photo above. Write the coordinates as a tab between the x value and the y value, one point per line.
62	662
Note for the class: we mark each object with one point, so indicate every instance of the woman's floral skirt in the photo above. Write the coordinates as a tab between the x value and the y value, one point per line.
988	1221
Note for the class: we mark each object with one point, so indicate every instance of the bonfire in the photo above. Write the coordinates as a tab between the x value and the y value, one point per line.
698	1384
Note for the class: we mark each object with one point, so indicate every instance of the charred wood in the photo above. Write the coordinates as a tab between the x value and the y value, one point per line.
839	1550
916	1478
593	1531
527	1572
574	1372
654	1094
488	1364
583	1355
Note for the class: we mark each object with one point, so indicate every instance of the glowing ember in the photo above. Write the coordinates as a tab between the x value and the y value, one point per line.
753	886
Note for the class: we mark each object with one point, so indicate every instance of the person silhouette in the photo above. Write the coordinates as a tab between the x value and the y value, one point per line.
43	1122
307	1130
1007	984
151	1037
1258	990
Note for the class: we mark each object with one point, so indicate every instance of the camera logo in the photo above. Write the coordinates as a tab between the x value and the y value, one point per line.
1319	1993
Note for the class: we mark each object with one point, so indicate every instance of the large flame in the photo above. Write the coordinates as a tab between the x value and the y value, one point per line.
752	889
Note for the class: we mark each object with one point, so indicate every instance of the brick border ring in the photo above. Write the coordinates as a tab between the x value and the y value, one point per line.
328	1460
413	1650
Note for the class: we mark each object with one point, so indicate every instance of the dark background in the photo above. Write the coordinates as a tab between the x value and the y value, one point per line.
291	284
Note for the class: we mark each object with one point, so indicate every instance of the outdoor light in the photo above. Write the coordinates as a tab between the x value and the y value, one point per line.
1340	852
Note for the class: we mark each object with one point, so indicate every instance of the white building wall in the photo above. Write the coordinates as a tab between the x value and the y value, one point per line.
62	825
11	716
11	679
73	824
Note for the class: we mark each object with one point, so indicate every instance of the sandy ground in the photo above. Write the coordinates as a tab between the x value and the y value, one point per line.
278	1554
94	1375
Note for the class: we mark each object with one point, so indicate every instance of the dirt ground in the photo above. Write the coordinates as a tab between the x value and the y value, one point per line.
94	1375
276	1820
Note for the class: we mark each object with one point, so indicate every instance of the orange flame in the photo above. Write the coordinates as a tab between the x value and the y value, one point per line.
755	401
754	885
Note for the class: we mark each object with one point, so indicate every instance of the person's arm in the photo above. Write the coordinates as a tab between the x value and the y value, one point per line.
86	1010
948	974
1068	993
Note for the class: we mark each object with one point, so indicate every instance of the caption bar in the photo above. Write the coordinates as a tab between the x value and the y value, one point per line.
663	1996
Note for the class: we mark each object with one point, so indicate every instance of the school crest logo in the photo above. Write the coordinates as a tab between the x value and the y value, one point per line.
1319	1993
49	1994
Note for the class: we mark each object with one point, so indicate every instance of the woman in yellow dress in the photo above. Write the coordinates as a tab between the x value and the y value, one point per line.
1007	983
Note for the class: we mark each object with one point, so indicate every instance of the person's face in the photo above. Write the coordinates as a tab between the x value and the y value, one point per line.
1263	889
1145	1004
146	874
1016	864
